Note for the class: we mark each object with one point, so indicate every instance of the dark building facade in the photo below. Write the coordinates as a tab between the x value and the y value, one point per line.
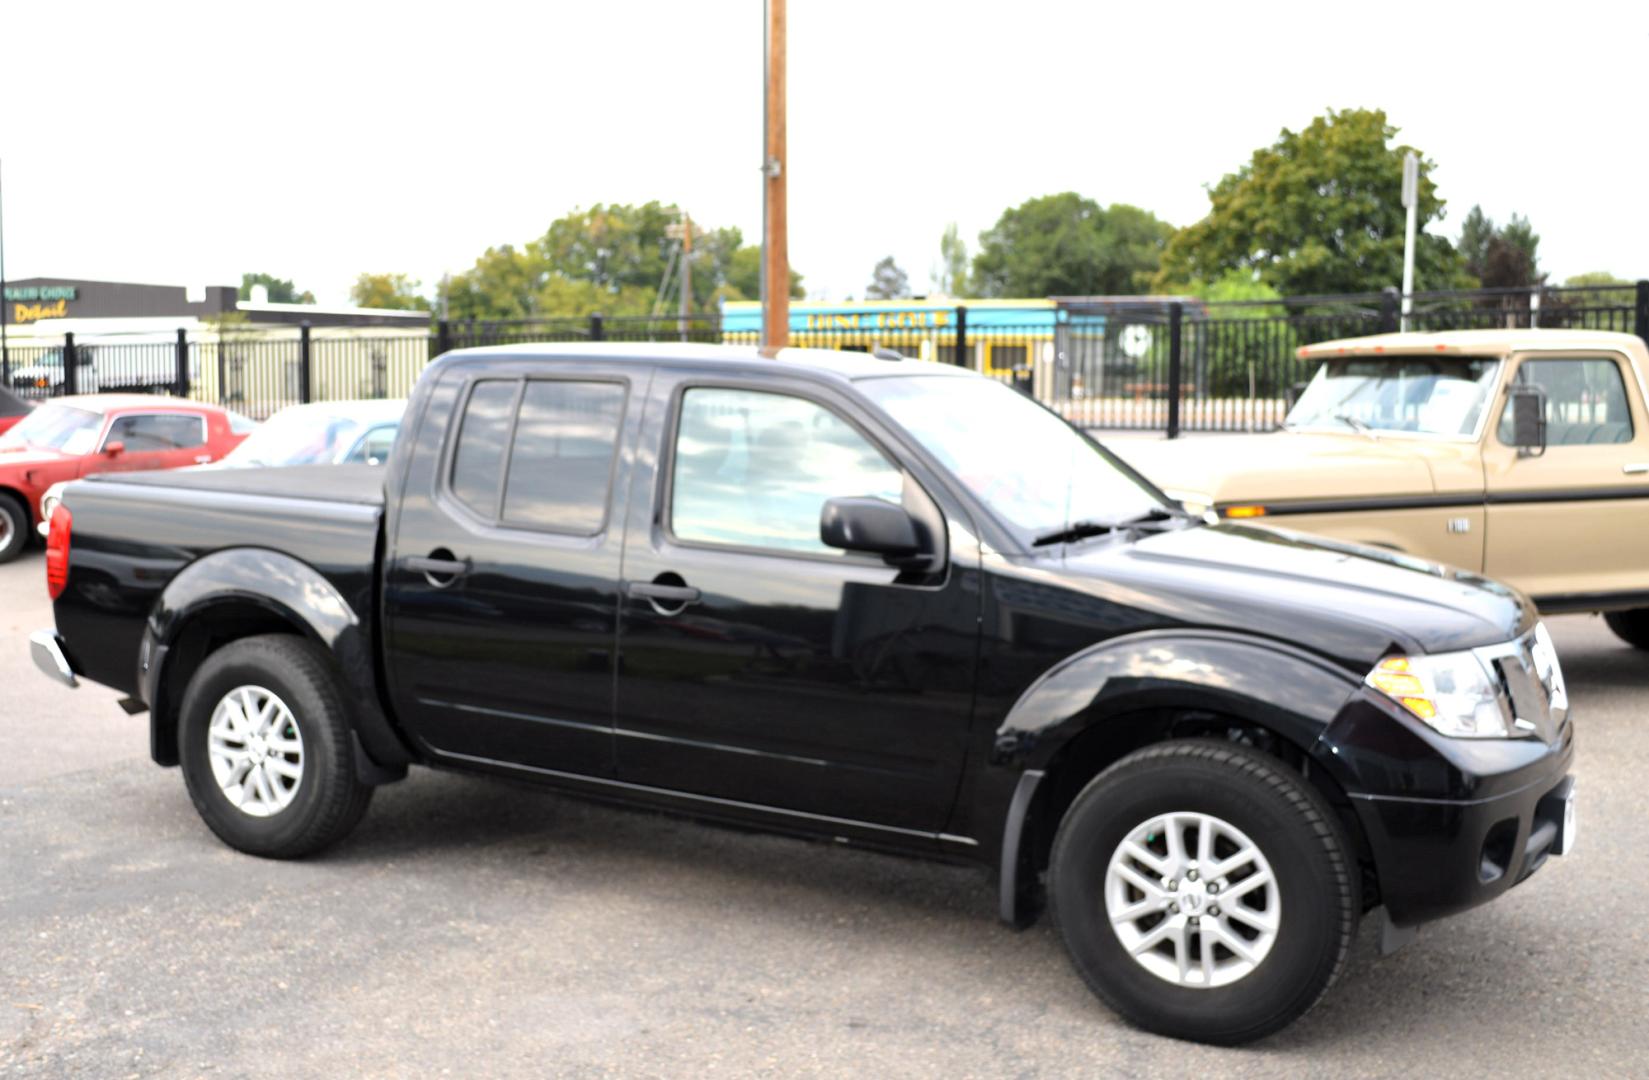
33	299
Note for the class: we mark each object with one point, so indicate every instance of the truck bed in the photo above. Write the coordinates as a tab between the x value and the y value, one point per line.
134	534
359	484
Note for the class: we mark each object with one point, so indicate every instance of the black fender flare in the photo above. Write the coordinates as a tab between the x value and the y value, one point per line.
1281	687
292	592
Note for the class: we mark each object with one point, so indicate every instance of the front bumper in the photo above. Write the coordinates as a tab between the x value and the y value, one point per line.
46	648
1436	858
1450	823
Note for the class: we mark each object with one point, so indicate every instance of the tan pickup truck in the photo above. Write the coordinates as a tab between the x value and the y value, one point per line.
1519	454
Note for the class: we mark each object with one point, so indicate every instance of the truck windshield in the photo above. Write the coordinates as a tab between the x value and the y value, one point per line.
55	427
1035	471
1431	395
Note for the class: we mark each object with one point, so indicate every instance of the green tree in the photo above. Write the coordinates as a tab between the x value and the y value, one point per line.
396	292
744	276
611	259
281	291
952	276
1601	299
1068	245
888	281
1230	358
1318	211
1500	257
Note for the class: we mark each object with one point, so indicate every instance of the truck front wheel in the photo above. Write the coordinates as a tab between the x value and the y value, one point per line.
1631	627
266	748
1204	891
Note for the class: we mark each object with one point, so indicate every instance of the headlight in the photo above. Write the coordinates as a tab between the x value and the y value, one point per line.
50	500
1455	693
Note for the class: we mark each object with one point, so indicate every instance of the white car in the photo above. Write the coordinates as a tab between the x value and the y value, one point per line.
322	433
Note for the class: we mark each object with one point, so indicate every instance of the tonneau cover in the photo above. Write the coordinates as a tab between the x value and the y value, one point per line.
360	484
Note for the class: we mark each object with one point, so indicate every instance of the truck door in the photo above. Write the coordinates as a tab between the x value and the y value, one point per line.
501	579
1568	523
759	665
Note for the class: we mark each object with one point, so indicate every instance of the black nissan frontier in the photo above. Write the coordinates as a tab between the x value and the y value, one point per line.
850	597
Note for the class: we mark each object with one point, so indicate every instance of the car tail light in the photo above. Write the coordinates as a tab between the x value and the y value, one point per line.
57	551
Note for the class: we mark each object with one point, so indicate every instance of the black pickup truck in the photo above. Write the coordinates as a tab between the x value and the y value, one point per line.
876	600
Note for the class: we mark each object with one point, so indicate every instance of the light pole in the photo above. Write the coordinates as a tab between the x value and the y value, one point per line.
775	280
1411	201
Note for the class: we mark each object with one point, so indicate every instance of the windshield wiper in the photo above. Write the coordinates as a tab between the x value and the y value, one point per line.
1082	530
1354	424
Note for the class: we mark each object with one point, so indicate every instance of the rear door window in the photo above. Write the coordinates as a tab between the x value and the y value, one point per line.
561	462
483	435
539	454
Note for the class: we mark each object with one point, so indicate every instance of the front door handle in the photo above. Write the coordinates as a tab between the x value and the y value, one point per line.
1635	469
670	594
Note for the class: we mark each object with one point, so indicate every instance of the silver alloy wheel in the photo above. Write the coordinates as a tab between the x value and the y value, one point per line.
5	530
256	751
1192	899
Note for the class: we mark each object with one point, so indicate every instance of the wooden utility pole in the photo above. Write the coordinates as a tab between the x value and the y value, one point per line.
775	244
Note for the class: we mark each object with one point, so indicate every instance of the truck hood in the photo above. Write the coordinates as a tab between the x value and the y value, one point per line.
1287	465
1345	601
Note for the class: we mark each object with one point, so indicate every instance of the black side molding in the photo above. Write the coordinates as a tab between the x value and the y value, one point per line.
1014	909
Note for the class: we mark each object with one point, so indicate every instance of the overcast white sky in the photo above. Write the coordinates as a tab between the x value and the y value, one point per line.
183	144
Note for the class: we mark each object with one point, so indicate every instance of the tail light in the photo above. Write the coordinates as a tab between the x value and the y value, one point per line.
57	551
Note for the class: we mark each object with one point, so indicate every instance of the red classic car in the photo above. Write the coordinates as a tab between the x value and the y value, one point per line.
12	409
67	438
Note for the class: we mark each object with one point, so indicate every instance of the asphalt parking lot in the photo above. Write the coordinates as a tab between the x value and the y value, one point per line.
477	928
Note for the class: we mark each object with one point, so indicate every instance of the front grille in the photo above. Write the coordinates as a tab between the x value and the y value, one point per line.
1529	672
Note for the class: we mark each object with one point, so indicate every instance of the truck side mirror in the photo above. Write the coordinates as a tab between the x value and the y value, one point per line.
873	525
1528	405
115	449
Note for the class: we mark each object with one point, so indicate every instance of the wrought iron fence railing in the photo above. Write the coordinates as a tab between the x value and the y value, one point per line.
1161	363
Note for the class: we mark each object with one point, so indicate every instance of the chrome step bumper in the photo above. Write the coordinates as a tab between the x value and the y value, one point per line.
47	650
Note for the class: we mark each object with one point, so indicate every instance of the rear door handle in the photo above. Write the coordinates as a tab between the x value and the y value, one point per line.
449	568
1634	469
673	594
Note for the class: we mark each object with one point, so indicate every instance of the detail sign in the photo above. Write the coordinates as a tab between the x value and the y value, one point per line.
32	302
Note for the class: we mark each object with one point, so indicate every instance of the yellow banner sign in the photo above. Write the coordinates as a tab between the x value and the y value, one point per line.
27	313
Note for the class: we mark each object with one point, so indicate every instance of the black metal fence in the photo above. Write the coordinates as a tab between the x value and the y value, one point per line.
1167	364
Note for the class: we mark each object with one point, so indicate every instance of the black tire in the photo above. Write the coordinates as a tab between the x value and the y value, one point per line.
1296	831
14	528
329	799
1631	627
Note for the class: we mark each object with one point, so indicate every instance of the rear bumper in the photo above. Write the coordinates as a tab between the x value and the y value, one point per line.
46	648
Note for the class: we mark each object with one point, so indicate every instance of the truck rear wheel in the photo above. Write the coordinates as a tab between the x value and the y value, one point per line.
267	751
1631	627
1204	891
14	528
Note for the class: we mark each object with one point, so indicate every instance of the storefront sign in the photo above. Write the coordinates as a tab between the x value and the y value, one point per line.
33	302
27	313
879	320
42	292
